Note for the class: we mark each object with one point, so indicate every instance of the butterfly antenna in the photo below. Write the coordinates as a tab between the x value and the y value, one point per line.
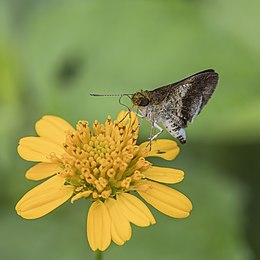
120	102
109	95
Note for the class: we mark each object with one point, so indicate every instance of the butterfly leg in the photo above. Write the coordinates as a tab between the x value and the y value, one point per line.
153	137
139	114
155	125
140	121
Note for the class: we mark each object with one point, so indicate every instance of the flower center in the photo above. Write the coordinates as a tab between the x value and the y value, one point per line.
104	162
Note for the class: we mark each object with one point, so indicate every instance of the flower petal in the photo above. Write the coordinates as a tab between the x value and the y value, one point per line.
44	198
37	149
53	128
166	175
42	170
166	149
120	227
83	194
132	118
167	200
135	210
98	226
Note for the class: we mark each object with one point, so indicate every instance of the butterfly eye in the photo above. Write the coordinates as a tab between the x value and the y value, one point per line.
144	102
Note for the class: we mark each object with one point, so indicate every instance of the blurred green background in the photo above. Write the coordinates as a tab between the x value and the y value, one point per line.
54	53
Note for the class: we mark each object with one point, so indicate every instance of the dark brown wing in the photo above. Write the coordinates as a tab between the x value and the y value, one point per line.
187	97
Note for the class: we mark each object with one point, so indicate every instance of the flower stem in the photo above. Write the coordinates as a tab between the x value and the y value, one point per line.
98	255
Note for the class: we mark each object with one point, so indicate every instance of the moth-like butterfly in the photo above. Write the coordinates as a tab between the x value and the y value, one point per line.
175	105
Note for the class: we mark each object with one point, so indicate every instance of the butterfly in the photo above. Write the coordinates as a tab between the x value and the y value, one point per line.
175	105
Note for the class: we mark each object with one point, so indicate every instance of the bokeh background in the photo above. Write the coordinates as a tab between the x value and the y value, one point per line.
54	53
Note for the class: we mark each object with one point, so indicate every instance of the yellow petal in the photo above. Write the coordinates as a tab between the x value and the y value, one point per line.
44	198
166	149
121	115
166	175
167	200
53	128
42	170
98	226
83	194
37	149
134	210
131	118
120	227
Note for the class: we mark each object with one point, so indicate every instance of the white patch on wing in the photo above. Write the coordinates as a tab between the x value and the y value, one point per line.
174	130
184	89
198	109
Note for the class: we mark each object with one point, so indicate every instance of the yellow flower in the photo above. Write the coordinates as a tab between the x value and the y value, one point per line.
104	165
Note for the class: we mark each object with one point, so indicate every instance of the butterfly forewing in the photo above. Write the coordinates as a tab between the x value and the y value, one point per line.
187	97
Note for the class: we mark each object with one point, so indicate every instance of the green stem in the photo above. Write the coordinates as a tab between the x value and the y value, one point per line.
98	255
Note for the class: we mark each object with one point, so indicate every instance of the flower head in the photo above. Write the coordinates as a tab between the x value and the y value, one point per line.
105	165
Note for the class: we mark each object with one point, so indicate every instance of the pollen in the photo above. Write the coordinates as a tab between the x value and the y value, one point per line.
104	161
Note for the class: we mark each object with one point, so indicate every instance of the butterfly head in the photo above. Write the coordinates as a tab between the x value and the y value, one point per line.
141	99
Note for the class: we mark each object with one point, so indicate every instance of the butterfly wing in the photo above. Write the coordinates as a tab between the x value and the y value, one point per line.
184	100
